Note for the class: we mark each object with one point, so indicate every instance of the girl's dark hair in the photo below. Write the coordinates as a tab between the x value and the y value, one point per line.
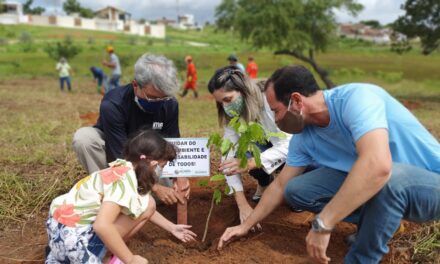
151	144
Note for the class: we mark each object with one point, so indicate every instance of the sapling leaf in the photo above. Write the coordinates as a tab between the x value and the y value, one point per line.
215	139
256	132
226	146
234	123
256	153
227	189
279	135
217	196
202	183
242	128
217	177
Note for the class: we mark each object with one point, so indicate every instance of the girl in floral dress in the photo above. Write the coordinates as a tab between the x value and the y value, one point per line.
103	210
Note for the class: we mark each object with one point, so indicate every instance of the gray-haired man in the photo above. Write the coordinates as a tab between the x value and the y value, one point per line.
146	103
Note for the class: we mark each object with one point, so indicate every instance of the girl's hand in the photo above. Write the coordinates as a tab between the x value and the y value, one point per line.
183	233
136	259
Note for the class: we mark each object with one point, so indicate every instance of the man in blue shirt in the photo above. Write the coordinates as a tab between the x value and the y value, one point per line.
148	102
100	79
379	164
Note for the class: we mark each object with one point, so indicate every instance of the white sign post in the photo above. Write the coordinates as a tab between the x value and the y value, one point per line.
192	160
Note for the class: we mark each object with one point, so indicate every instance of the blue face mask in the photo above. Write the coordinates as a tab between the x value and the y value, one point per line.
148	106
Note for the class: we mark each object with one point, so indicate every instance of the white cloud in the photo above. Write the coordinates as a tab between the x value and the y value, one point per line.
385	11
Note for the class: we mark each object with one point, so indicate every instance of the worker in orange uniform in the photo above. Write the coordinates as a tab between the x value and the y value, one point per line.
252	68
191	77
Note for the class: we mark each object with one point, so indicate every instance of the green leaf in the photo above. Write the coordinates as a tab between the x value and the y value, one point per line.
122	186
226	146
256	153
234	123
217	196
242	128
203	183
94	182
279	135
87	216
215	139
217	177
86	207
227	189
256	133
85	222
131	183
114	187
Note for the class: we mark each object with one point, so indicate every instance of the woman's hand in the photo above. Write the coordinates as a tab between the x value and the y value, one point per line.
183	233
245	212
232	166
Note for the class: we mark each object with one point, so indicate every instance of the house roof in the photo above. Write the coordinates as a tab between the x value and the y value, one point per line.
112	7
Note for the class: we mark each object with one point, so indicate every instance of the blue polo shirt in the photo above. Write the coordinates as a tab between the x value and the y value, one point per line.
355	109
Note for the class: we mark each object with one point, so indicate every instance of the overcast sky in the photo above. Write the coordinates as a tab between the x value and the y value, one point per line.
385	11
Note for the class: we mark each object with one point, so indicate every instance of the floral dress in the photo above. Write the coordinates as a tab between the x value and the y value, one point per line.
71	215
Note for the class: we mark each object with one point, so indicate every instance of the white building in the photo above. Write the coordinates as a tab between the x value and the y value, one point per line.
12	13
107	19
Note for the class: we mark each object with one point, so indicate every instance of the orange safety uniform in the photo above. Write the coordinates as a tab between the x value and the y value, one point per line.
252	70
191	77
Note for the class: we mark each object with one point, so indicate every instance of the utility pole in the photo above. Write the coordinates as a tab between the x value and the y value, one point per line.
178	10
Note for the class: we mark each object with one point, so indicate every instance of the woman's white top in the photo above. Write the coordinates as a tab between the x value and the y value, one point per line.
271	158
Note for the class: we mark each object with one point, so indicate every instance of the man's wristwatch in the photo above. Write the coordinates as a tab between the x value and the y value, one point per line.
319	227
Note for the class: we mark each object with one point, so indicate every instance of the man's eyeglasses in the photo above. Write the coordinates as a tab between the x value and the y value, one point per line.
166	98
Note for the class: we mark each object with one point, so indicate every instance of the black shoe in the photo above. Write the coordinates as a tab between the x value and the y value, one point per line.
296	210
350	239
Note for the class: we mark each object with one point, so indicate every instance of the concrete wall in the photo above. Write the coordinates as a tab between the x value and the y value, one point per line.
131	27
87	23
157	31
9	19
39	20
65	21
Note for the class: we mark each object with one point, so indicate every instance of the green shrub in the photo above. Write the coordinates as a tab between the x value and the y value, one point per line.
66	49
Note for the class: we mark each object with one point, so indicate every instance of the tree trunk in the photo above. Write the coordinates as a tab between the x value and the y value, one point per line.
323	74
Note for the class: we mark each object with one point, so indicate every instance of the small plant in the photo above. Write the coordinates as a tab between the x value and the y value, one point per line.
66	49
251	135
26	41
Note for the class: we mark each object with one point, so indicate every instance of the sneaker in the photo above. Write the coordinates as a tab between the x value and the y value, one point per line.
296	210
350	239
258	193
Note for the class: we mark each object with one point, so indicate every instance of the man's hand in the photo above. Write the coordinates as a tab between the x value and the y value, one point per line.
183	233
232	166
230	232
185	188
167	195
317	244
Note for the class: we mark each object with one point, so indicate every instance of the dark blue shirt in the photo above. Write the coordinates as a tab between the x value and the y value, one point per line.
120	117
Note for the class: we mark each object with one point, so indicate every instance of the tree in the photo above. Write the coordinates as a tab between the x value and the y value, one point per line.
32	11
422	19
66	49
372	23
293	27
73	6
